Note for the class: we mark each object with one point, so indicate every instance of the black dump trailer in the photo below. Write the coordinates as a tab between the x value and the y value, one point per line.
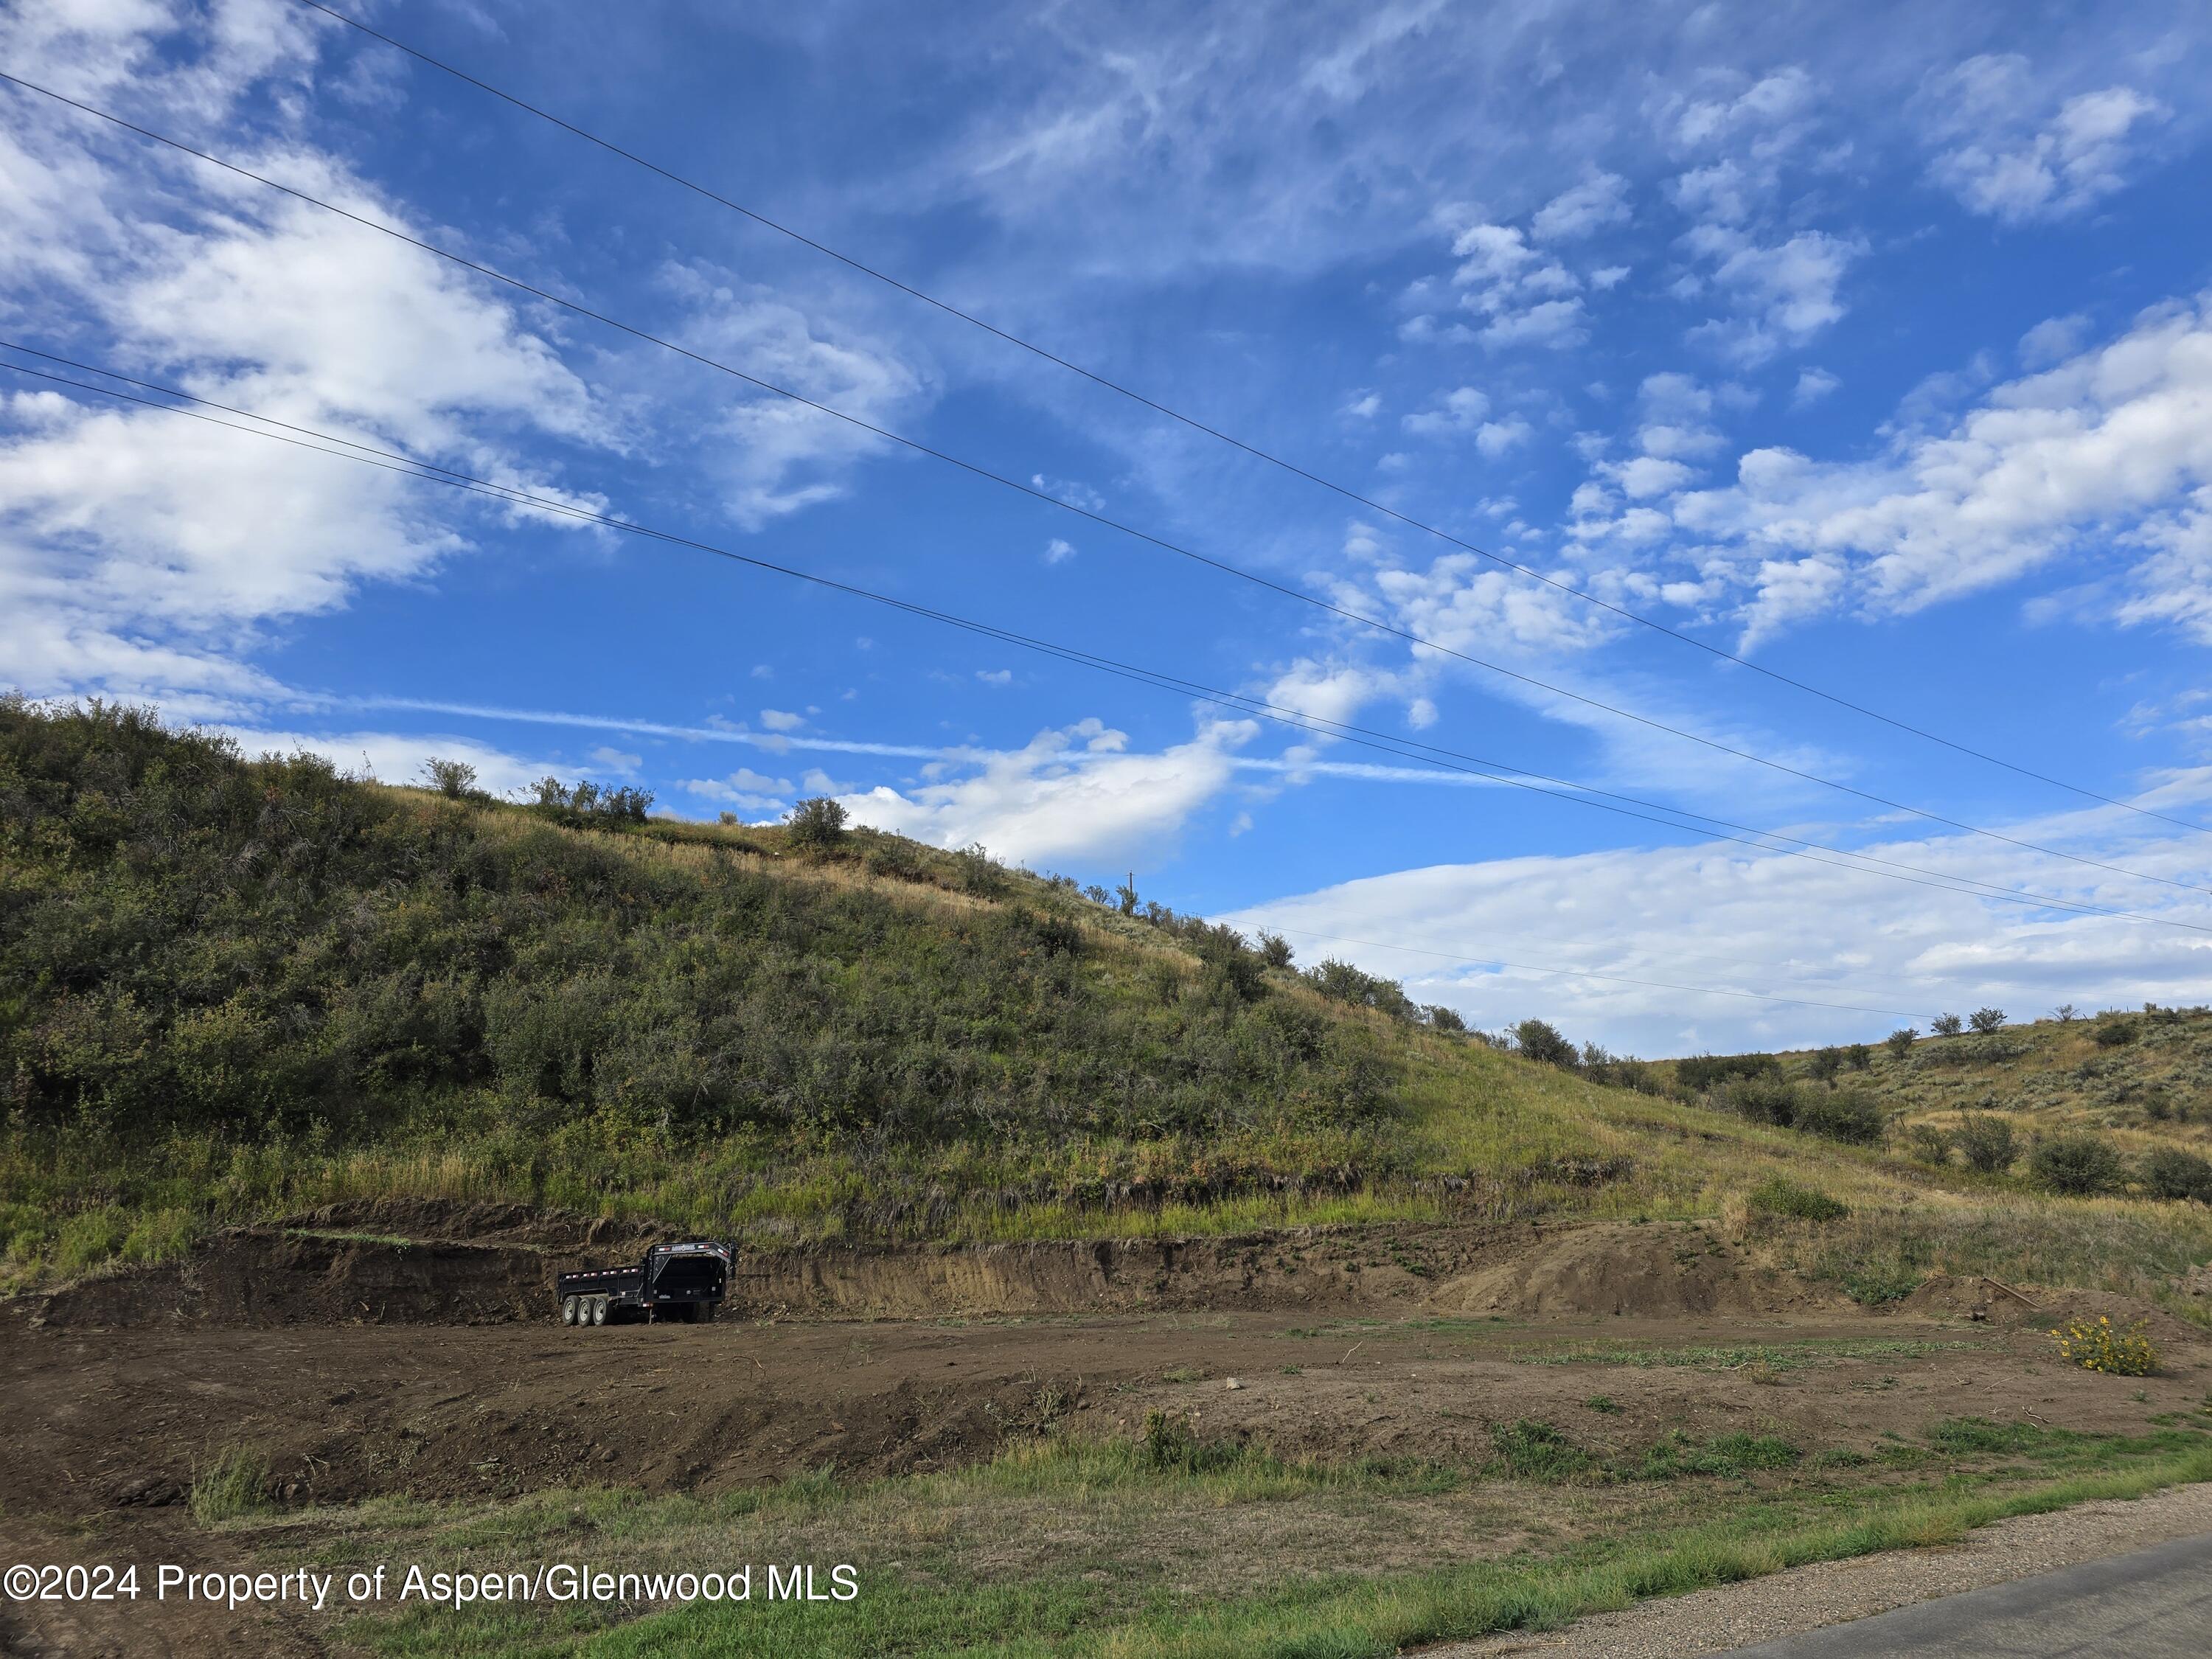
680	1282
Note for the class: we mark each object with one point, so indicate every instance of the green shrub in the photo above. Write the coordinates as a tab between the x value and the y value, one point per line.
1764	1099
2114	1033
1986	1142
1872	1283
1846	1115
817	822
1859	1057
1946	1025
2077	1166
454	780
1900	1041
2170	1173
1824	1064
1986	1020
1703	1073
1928	1143
978	873
1776	1196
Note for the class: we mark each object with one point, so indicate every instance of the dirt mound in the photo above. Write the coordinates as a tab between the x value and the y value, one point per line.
2048	1308
1643	1272
1969	1296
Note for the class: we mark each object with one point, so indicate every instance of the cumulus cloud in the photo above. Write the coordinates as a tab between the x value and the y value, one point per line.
2004	156
143	553
2113	438
1785	294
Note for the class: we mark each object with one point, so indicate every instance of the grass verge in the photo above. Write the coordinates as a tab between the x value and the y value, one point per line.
1114	1551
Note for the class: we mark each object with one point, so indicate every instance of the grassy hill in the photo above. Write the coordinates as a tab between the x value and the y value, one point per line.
236	989
2135	1081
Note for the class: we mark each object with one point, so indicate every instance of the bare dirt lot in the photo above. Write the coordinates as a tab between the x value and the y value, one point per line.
1341	1346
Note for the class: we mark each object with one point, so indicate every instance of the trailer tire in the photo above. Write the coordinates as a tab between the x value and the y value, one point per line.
598	1310
567	1310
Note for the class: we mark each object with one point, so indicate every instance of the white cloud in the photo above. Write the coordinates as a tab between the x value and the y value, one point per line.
1070	794
782	719
1057	551
1999	160
2052	340
616	760
146	555
1556	324
780	457
1457	411
1001	676
1813	384
1361	406
2114	438
1785	294
1647	476
1494	438
1588	207
1767	106
1721	916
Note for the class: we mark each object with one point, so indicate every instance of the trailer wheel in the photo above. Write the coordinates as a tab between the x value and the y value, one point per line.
598	1310
567	1310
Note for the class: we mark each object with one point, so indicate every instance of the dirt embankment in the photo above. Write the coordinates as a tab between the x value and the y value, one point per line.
462	1265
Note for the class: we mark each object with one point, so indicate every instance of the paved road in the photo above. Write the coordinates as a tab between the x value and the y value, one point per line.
2153	1604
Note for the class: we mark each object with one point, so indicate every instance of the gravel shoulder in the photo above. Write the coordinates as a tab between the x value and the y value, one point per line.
1809	1598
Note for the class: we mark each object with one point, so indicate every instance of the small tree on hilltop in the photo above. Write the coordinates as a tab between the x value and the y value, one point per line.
817	822
1986	1020
1858	1057
1275	949
1946	1024
1539	1040
454	780
1826	1063
1900	1041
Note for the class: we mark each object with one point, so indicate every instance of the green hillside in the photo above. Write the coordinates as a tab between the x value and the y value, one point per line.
236	989
2136	1082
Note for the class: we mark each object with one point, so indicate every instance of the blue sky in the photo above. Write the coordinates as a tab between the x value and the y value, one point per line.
1874	345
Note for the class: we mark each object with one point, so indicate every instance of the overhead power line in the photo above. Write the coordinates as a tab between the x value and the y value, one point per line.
981	471
1497	772
1119	389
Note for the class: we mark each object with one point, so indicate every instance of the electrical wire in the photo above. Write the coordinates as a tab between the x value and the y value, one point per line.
1122	527
1405	749
1229	438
